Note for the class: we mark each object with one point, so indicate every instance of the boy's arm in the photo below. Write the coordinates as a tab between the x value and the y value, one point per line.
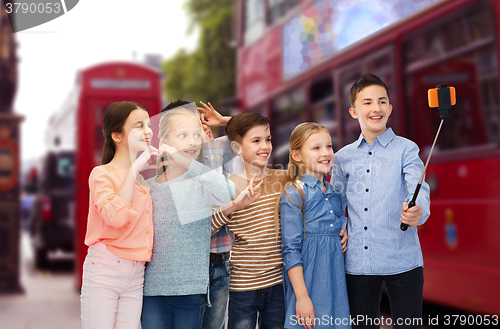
220	216
412	169
219	219
339	182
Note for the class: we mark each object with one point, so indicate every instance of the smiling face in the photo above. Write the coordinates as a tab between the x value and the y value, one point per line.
256	146
137	131
372	109
316	154
185	136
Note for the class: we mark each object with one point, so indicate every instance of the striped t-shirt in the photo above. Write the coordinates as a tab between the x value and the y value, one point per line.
256	261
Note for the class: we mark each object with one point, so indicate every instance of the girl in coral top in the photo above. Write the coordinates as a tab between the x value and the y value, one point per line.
120	226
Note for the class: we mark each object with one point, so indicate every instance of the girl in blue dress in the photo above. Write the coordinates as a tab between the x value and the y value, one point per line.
313	238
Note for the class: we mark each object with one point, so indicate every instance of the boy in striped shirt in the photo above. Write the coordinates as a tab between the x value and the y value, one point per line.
255	287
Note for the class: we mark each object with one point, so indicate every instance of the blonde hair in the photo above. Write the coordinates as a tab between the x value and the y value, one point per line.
299	136
171	118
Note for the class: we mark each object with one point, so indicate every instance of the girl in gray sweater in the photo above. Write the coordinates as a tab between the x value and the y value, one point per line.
176	279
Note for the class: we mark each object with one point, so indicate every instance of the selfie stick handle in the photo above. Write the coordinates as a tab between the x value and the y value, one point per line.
413	201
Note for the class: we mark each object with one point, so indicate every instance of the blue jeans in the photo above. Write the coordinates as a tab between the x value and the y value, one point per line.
171	312
267	303
214	316
405	292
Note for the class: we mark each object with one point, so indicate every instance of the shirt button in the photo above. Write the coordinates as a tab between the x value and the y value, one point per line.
147	232
147	211
370	153
366	247
366	227
331	211
149	251
367	190
145	192
118	261
366	209
367	170
326	199
331	225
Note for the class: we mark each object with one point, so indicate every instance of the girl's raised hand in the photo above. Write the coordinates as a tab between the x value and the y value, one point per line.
173	156
249	194
143	162
304	309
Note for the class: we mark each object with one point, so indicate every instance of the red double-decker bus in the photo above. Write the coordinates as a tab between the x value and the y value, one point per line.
297	60
97	87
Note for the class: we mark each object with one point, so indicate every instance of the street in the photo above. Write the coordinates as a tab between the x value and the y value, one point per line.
50	300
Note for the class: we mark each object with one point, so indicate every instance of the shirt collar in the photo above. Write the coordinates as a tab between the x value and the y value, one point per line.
385	138
313	182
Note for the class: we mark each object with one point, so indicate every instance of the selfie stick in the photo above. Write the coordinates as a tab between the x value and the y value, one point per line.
442	97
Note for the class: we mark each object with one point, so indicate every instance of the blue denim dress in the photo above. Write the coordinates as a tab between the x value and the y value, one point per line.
319	252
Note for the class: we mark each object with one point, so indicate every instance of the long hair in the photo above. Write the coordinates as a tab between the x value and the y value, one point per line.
299	136
114	118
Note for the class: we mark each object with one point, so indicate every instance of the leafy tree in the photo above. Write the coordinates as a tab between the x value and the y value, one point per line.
208	73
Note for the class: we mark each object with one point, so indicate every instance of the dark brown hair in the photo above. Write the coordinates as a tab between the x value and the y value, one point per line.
363	82
175	104
241	123
113	120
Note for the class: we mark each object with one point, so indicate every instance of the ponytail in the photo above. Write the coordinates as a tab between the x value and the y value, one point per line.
108	150
294	173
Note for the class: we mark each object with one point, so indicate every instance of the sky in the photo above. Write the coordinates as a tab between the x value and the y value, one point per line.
95	31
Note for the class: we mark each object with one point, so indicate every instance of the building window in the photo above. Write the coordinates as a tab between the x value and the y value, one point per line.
255	20
287	111
279	8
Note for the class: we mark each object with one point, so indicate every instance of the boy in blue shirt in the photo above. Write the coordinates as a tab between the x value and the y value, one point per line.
377	176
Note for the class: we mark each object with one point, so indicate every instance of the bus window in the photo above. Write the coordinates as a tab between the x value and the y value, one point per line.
473	28
255	20
279	8
58	171
346	77
469	64
323	107
287	111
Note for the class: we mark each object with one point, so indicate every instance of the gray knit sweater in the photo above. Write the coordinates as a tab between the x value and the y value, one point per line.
182	211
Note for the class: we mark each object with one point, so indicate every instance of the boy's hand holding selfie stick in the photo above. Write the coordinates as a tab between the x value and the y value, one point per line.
442	97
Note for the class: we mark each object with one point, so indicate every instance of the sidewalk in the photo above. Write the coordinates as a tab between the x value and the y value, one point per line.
50	300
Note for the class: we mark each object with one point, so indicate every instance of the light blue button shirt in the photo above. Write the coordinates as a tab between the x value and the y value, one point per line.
374	181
